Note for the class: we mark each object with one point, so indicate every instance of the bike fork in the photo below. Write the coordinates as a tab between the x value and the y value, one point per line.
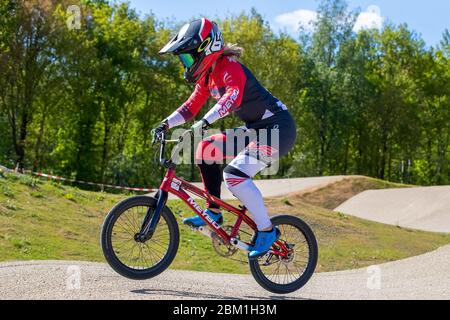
152	218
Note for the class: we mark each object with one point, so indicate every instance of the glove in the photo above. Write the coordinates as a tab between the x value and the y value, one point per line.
200	125
156	132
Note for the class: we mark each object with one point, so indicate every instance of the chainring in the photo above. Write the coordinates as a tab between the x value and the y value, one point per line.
221	248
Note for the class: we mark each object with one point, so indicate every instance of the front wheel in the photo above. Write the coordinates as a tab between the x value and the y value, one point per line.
139	260
290	271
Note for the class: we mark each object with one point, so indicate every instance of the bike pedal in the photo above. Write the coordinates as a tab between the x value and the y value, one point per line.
190	225
193	228
205	231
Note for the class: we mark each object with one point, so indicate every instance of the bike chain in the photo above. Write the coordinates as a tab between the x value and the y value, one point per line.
268	257
227	257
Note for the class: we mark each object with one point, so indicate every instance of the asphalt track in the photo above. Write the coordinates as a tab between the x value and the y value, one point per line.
422	277
415	208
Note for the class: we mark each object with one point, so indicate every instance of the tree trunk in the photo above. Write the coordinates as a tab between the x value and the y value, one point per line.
107	130
347	146
389	166
382	167
38	145
20	152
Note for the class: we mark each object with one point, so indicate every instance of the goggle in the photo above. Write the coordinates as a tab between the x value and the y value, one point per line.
187	60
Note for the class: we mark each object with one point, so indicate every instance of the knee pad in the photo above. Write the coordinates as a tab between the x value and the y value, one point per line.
233	177
235	171
243	188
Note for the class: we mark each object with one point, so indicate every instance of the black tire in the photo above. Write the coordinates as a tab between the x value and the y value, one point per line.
107	243
298	225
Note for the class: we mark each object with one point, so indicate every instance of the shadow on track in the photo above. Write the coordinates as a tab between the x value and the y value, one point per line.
186	294
183	294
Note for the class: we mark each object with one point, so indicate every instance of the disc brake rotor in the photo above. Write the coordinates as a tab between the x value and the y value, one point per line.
270	258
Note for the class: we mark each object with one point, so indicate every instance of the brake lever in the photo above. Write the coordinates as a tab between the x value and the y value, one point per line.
155	140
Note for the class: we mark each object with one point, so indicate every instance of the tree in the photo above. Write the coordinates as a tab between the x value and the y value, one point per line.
81	102
322	106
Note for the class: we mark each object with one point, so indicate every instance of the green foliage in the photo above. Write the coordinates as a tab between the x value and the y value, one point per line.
10	205
36	194
81	103
21	244
6	191
28	181
70	197
365	101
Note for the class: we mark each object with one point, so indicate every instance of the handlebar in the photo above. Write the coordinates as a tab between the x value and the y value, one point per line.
168	163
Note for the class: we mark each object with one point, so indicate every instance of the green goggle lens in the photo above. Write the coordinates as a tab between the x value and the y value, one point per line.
187	60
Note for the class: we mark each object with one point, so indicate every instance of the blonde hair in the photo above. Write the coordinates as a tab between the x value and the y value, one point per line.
233	50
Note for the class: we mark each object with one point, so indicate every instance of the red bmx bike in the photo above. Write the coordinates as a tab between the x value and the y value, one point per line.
140	235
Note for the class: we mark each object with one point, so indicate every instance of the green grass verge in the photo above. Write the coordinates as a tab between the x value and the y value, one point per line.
44	220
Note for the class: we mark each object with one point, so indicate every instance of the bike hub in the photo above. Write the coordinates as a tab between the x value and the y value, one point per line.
139	237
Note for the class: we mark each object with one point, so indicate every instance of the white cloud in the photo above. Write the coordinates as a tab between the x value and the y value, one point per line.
369	19
299	18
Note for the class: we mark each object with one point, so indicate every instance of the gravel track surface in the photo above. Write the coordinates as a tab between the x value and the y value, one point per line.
423	277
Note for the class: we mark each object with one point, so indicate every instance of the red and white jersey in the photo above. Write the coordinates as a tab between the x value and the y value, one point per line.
236	90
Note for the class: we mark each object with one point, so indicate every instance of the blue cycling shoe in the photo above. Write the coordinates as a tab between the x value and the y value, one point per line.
196	222
264	240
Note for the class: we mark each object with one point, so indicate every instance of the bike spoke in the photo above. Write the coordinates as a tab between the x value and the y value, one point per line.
126	229
288	269
129	223
134	254
151	254
143	256
124	226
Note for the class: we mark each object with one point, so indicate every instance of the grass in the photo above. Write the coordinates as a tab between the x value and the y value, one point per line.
333	195
44	220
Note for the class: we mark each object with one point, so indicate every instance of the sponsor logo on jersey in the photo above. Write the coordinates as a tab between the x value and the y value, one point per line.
226	107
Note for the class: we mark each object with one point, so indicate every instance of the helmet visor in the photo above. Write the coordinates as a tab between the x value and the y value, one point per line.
187	60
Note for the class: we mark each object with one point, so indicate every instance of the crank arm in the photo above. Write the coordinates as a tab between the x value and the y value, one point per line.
240	245
204	231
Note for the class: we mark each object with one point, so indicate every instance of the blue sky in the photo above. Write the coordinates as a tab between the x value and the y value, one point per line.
429	18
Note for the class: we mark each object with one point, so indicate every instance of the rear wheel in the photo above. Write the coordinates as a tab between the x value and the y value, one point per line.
285	274
136	259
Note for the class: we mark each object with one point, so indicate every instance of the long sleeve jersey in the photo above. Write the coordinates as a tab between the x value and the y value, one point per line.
236	90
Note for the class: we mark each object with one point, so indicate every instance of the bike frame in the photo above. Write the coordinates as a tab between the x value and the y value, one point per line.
178	187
